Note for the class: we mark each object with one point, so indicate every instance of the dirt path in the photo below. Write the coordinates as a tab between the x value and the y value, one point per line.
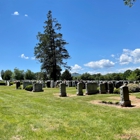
135	102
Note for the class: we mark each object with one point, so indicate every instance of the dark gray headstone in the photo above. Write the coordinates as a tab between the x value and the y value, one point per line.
80	88
102	88
17	85
110	87
63	90
124	95
37	87
91	88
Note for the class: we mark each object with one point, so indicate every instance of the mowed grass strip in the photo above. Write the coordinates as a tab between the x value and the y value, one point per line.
44	115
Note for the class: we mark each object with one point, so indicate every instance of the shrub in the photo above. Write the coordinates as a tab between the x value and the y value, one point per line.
11	83
116	90
133	87
2	83
29	88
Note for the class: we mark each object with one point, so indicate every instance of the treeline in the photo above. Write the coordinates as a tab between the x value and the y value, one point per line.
29	75
127	75
18	74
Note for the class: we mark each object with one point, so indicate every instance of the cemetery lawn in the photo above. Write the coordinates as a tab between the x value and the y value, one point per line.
44	115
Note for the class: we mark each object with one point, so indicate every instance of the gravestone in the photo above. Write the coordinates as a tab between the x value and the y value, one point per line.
43	84
26	84
63	90
37	87
73	83
102	88
8	83
52	84
91	88
110	87
118	84
106	86
80	89
124	95
48	84
17	85
69	84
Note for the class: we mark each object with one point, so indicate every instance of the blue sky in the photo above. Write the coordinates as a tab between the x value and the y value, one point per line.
103	36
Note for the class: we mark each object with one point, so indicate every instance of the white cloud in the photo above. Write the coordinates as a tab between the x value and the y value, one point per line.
136	55
125	59
104	63
26	15
75	68
112	55
33	58
16	13
24	57
129	56
127	68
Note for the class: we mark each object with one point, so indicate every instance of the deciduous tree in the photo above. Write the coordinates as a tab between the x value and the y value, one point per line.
7	75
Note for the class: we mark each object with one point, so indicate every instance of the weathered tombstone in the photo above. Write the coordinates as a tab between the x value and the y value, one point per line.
80	88
118	84
73	83
48	83
8	83
52	84
102	88
69	84
91	88
106	86
37	87
110	87
76	82
17	85
26	84
63	90
43	84
124	94
57	83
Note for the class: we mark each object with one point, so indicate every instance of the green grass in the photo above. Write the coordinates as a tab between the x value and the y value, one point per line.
44	115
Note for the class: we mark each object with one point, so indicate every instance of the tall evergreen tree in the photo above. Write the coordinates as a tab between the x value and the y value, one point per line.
129	2
50	50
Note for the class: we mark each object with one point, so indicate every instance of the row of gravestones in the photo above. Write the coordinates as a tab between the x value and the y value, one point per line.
91	88
37	87
73	83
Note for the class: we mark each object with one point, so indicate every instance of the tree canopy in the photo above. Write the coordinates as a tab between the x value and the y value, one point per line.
66	75
129	2
50	51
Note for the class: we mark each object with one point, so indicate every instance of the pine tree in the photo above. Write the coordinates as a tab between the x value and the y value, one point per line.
129	2
50	50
